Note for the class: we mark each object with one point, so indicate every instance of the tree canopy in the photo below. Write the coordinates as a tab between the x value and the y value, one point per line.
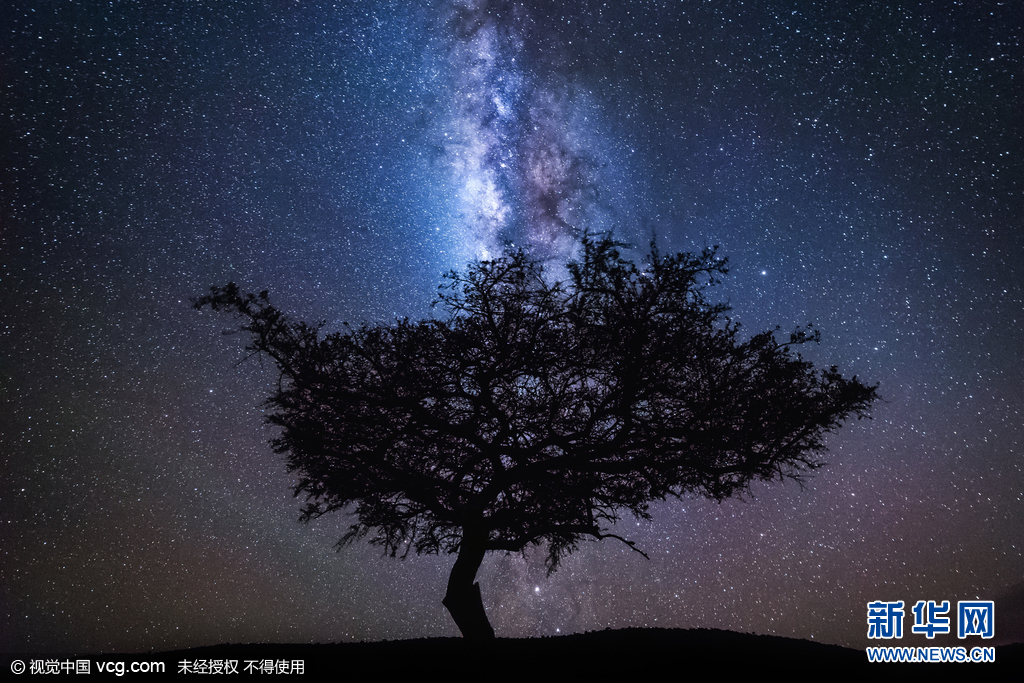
536	411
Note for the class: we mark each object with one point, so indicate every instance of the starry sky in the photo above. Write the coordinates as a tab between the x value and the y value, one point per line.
861	164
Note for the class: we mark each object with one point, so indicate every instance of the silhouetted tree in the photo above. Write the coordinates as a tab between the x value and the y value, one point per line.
537	411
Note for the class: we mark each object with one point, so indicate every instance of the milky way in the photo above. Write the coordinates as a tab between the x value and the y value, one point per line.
861	165
515	141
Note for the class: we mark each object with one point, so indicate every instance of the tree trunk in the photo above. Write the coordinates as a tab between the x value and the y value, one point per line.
463	597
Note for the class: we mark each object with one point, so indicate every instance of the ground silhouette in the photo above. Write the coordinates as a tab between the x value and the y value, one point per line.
611	655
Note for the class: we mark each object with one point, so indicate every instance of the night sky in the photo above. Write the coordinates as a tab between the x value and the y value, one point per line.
861	164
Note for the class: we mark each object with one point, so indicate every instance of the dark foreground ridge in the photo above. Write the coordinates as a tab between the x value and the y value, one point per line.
613	655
